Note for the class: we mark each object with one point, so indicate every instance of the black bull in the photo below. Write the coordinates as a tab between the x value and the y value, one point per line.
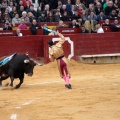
16	68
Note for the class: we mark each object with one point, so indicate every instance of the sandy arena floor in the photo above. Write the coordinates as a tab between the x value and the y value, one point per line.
95	94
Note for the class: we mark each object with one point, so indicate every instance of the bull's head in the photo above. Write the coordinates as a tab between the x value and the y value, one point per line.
29	66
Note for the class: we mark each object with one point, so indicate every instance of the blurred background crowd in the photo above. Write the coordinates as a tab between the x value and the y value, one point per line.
81	13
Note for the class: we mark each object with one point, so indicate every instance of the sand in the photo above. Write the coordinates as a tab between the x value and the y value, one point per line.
95	94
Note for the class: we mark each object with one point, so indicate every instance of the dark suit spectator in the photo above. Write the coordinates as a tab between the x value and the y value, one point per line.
98	8
34	27
50	17
31	9
101	16
31	17
47	9
65	17
20	4
106	23
57	16
42	18
84	30
74	24
7	25
113	15
109	8
115	26
4	5
20	11
63	9
13	12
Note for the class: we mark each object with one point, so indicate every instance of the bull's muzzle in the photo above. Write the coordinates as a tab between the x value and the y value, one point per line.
30	74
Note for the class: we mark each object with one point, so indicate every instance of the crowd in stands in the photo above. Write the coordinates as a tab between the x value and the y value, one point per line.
81	13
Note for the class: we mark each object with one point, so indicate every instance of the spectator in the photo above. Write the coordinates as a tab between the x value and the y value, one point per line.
77	17
101	16
113	15
6	17
7	25
83	16
10	6
99	29
21	10
59	4
80	9
34	27
118	15
63	9
25	17
98	8
65	17
39	11
109	8
50	17
105	5
57	16
4	5
1	17
68	5
77	3
22	26
13	12
115	27
92	17
18	33
31	9
16	20
72	11
45	29
20	4
28	3
42	18
74	24
91	9
31	17
47	10
61	24
84	30
106	23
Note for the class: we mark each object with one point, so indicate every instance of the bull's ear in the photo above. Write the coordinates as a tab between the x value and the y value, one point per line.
26	61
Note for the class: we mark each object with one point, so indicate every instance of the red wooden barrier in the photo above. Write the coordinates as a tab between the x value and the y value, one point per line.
24	32
75	45
27	44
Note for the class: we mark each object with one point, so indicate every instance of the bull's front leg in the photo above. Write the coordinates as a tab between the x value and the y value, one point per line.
11	74
12	79
21	81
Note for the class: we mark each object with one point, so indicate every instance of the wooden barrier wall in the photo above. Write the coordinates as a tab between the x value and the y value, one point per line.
83	44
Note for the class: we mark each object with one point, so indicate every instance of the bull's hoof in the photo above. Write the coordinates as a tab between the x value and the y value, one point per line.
17	86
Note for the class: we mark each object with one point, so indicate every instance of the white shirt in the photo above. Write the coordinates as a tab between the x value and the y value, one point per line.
20	34
100	30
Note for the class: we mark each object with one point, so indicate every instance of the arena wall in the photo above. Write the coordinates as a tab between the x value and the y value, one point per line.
75	45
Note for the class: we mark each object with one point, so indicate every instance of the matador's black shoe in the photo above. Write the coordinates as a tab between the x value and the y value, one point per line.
68	86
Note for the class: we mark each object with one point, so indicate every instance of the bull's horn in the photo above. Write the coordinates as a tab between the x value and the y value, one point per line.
26	61
37	63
